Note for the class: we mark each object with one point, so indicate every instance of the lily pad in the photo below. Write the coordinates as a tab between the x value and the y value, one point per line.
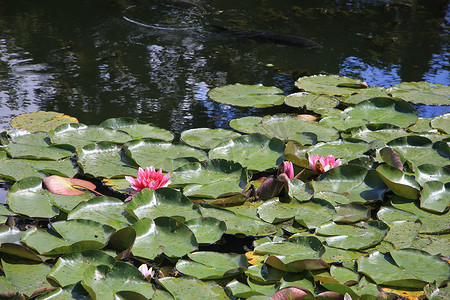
188	288
429	172
355	182
162	235
357	236
207	138
69	268
162	202
163	155
435	196
384	132
442	122
34	146
399	182
106	160
247	95
210	179
248	124
138	129
345	150
310	100
207	230
79	135
41	121
327	84
342	121
104	282
27	197
385	110
255	151
422	125
422	92
365	94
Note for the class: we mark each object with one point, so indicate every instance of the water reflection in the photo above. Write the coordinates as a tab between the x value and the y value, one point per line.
156	60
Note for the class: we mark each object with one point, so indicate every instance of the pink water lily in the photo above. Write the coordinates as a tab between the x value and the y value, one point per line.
148	273
149	178
322	164
288	169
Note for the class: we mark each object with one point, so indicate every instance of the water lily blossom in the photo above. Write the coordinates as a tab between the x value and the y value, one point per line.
322	164
148	273
288	169
149	178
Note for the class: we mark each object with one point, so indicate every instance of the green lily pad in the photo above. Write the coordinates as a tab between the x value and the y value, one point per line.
41	121
421	150
207	230
433	244
355	182
34	146
106	160
102	209
73	291
255	151
213	265
385	110
342	121
248	124
80	135
327	84
162	235
26	277
365	94
17	169
429	172
189	288
432	223
248	95
422	125
357	236
138	129
27	197
310	101
69	268
210	179
422	92
384	132
312	214
207	138
239	289
162	202
104	282
76	236
274	211
351	213
435	196
442	122
237	223
67	203
343	149
163	155
400	183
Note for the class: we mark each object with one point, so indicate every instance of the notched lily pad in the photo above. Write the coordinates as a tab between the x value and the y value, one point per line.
41	121
138	129
207	138
422	92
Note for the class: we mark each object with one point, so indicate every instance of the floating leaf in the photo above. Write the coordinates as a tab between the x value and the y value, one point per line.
342	149
162	202
361	235
355	182
105	210
342	121
247	124
400	183
365	94
422	125
188	288
27	197
310	101
34	146
79	135
385	110
163	155
69	268
211	179
442	122
384	132
207	230
256	151
105	160
207	138
41	121
422	92
103	281
351	213
326	84
429	172
137	129
162	235
247	95
435	196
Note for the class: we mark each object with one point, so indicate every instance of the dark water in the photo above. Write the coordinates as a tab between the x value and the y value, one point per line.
156	60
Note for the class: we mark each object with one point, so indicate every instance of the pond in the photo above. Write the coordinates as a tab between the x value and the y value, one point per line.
156	60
